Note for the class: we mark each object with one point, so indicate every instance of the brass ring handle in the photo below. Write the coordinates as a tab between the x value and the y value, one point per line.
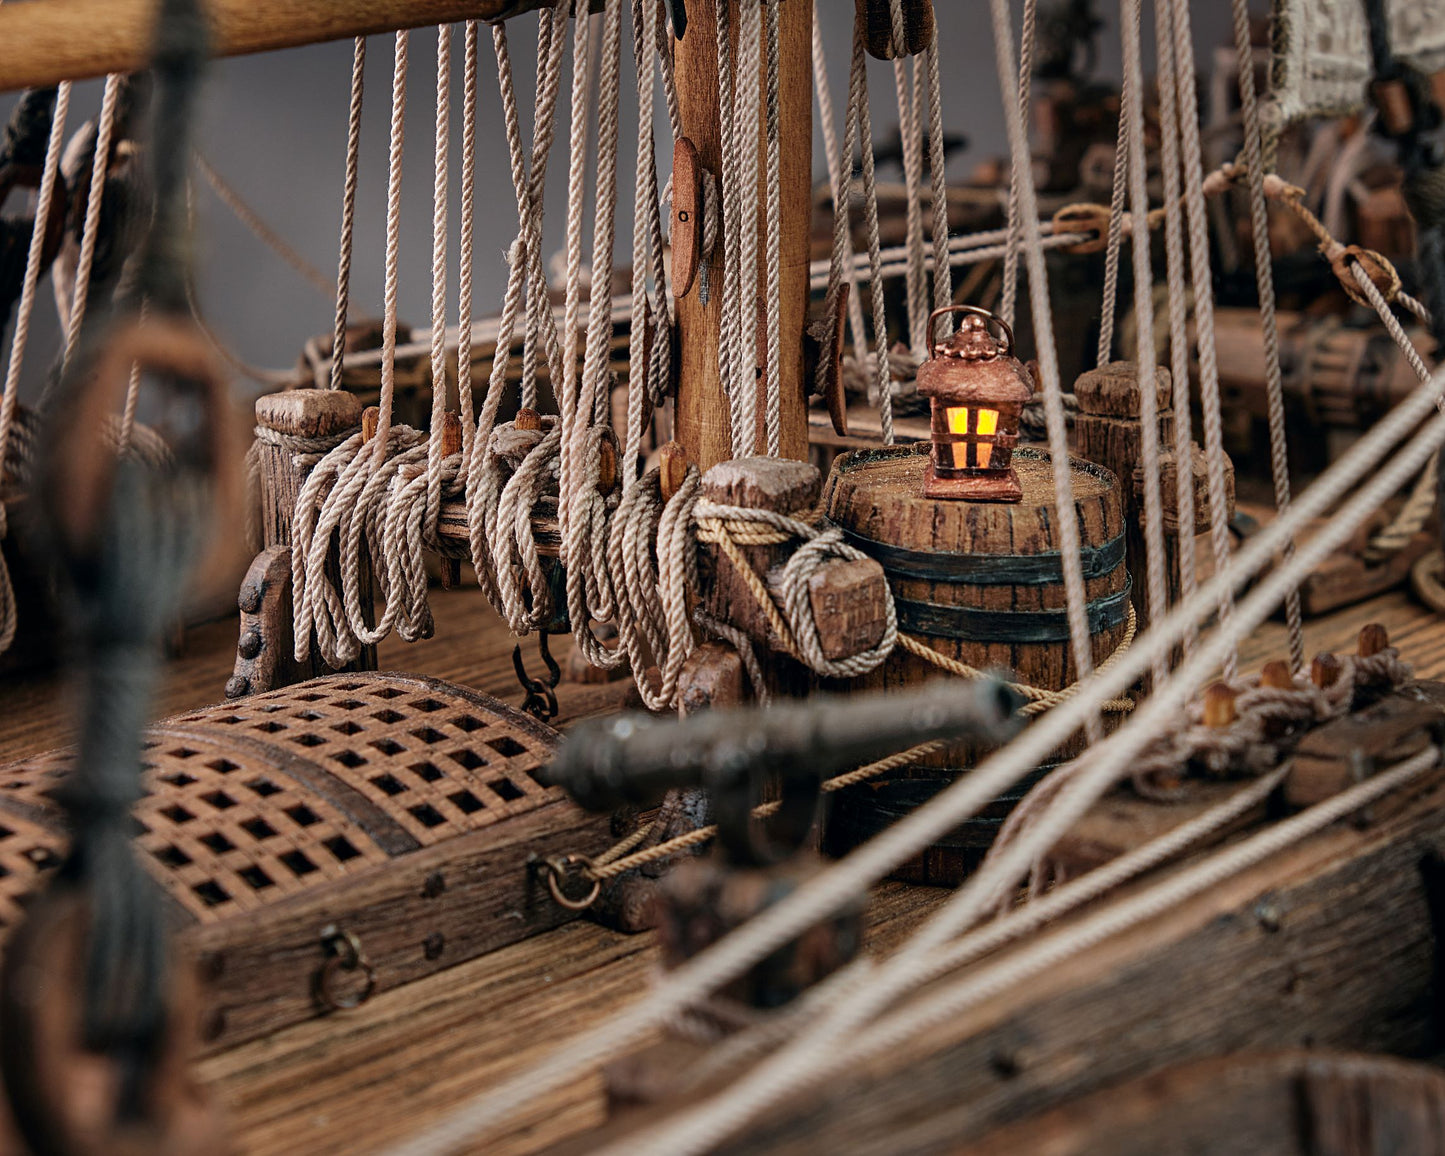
343	954
993	318
557	870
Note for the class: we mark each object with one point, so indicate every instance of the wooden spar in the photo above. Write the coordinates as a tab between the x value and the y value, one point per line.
702	406
75	39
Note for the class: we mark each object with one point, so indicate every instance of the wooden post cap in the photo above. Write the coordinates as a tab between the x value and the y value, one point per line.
1325	670
1112	390
1373	639
778	484
527	419
1219	710
672	469
1276	675
309	413
370	419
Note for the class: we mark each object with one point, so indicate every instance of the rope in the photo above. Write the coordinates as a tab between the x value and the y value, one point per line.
1199	266
772	380
1027	37
10	399
1117	199
1254	146
348	211
466	244
228	196
1130	19
911	147
100	163
1175	262
441	174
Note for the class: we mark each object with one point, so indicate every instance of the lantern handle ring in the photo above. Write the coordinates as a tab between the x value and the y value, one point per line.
1008	333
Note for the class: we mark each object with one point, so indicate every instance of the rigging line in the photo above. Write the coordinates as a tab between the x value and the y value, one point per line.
728	322
100	163
466	243
1145	358
861	134
1178	308
1254	150
773	417
1371	457
644	19
1027	38
393	246
226	193
841	260
441	180
910	146
937	166
747	115
1108	311
348	212
1203	283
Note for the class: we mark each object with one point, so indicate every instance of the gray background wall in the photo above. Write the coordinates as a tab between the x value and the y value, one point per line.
275	127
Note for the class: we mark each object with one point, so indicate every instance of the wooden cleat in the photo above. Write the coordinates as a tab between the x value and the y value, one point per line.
1219	709
1373	639
607	473
370	419
527	419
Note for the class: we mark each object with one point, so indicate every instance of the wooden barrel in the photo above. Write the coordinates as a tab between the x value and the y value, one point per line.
981	582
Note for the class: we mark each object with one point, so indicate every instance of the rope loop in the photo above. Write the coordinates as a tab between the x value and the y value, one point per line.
1378	268
1084	217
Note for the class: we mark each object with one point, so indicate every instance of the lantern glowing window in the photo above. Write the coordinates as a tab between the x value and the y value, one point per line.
977	390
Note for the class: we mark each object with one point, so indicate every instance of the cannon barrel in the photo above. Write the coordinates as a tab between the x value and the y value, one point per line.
636	758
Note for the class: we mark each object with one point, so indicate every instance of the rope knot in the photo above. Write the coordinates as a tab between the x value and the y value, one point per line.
1084	217
1375	266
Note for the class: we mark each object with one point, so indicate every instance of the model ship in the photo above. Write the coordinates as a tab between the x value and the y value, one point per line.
960	781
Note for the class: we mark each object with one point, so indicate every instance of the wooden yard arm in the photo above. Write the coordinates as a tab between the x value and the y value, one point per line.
47	41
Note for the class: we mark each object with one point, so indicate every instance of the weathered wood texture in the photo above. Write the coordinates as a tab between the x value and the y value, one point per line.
998	567
1330	944
1294	1103
355	1082
76	39
702	407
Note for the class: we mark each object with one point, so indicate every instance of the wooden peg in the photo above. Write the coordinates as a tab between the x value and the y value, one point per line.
1219	709
673	466
607	474
687	210
1276	675
1373	639
527	419
370	420
451	444
1325	670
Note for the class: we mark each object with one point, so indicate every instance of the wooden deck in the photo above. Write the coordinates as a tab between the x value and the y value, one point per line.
355	1081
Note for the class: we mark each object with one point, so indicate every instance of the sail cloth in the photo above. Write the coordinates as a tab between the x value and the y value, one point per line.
1321	64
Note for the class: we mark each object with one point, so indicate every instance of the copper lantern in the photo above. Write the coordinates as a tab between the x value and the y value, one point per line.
977	389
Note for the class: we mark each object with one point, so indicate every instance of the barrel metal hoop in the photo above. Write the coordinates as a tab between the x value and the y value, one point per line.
1043	569
971	624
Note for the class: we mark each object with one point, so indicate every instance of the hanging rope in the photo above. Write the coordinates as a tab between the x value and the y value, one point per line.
1027	37
348	212
1254	148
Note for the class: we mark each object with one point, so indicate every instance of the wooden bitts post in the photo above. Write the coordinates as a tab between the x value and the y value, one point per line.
1107	431
264	651
702	424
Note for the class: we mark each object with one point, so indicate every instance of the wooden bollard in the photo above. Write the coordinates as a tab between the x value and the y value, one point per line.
1276	675
1108	430
265	645
1325	670
1219	708
1372	640
849	599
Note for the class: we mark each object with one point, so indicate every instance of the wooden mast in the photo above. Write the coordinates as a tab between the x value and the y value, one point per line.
702	407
